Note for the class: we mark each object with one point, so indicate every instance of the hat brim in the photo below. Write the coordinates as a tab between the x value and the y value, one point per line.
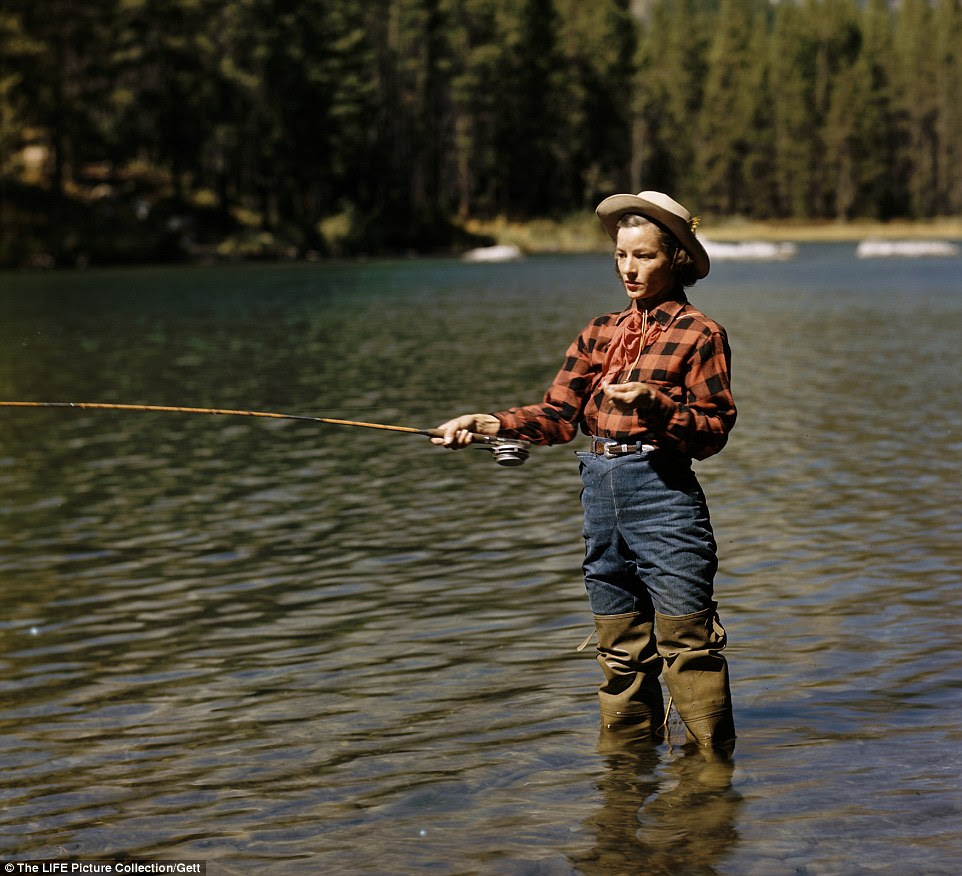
611	209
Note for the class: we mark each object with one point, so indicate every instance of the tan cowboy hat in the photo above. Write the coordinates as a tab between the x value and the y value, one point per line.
663	210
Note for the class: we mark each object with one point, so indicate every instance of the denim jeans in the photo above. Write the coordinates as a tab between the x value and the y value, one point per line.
649	544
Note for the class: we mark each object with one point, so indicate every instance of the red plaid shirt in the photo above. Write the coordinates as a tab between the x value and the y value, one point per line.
685	359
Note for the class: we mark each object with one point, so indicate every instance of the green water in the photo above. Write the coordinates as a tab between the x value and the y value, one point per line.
288	648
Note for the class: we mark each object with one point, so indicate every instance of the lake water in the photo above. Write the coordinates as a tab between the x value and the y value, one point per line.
288	648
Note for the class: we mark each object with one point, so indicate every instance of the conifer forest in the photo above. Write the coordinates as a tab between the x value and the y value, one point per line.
344	127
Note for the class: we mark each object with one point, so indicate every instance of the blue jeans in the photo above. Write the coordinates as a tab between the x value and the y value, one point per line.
649	544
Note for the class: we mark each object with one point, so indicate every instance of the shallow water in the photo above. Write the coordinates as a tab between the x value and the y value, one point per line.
290	648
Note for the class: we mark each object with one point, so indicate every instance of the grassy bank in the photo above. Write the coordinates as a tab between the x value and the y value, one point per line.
584	234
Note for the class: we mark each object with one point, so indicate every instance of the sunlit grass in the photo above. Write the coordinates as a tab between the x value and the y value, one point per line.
583	233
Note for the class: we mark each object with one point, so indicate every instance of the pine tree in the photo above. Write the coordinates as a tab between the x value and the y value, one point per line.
916	104
726	126
531	107
844	101
597	44
881	198
18	54
476	84
947	51
670	83
792	53
59	78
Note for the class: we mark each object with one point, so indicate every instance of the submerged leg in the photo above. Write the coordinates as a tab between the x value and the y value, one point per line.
697	676
630	698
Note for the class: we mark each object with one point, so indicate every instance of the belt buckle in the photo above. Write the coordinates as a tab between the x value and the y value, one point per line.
601	447
610	449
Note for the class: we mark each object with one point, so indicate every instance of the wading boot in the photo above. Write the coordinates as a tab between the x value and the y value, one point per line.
697	676
632	705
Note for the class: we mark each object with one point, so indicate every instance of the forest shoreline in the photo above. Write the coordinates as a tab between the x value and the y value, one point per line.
110	233
581	235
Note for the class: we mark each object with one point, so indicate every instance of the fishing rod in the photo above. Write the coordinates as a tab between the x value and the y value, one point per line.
506	451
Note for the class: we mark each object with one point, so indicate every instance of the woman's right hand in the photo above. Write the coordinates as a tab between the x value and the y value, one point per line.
457	432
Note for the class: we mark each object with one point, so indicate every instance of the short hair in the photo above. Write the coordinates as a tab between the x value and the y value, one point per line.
684	269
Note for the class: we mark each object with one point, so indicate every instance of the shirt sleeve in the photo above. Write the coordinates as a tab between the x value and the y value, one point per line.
698	426
555	420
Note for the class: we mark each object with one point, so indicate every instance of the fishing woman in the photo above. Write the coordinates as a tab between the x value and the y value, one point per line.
650	386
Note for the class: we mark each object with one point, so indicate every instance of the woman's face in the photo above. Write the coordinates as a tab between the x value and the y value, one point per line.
642	264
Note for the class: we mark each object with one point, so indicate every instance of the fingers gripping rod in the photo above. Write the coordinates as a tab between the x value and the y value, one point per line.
506	451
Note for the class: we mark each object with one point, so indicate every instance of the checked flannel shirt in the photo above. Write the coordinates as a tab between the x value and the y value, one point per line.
685	358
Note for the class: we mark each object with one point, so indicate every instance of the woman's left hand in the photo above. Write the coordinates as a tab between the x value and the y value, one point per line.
630	396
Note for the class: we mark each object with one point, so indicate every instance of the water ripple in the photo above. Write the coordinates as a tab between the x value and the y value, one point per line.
277	646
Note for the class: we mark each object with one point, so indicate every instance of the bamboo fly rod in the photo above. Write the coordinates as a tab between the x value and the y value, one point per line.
506	451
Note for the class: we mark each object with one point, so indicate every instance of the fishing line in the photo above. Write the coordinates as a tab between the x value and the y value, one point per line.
506	451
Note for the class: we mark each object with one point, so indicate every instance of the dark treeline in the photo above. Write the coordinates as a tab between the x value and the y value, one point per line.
343	126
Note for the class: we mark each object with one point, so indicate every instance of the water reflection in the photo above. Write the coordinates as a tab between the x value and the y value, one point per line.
661	815
266	644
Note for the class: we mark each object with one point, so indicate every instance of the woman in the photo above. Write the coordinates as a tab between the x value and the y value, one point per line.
650	386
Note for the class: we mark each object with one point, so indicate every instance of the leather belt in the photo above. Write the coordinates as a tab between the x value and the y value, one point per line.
609	448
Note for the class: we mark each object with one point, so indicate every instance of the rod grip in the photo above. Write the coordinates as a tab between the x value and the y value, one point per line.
475	436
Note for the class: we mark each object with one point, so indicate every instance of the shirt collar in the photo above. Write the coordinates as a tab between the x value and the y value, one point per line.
664	313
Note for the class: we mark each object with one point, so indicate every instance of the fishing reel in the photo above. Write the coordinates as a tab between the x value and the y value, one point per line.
506	451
